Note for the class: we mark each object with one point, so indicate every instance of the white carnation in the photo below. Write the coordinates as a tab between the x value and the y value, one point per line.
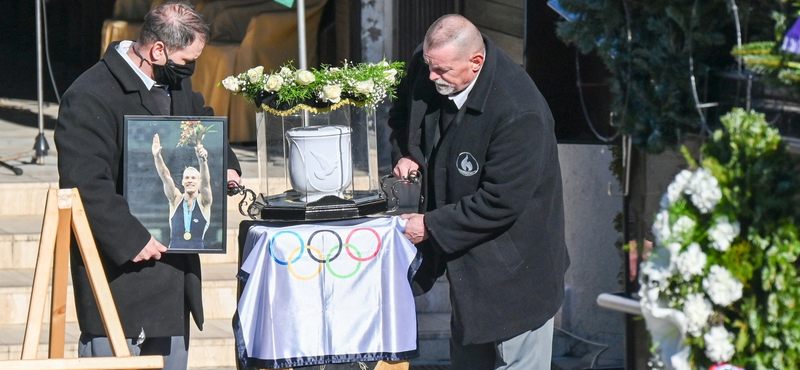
255	74
661	228
331	93
697	310
721	286
675	188
274	83
231	83
704	190
304	77
722	233
365	87
691	262
719	346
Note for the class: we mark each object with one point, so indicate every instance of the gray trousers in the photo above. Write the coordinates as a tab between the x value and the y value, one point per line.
531	350
174	349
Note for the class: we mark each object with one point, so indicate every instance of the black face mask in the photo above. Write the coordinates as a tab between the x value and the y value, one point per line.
171	74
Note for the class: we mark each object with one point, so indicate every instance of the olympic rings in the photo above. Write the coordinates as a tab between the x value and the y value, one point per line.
358	267
272	242
310	238
378	237
319	268
298	252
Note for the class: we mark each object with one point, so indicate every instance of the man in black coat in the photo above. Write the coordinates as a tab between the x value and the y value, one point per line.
474	124
154	291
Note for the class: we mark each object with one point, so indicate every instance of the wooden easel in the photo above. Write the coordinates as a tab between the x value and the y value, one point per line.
64	209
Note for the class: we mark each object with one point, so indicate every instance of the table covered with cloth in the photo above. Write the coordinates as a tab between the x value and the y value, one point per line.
326	293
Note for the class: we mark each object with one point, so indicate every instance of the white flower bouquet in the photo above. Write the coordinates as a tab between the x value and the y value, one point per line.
289	89
720	288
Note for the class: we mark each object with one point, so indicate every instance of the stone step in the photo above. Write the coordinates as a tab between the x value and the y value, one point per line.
214	347
211	348
29	198
19	241
219	293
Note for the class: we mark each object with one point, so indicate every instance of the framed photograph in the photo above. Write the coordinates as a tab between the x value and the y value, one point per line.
175	179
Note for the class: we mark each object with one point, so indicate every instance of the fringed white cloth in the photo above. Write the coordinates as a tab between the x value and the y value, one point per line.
330	292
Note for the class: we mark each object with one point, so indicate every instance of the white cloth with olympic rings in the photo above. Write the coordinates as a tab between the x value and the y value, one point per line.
327	292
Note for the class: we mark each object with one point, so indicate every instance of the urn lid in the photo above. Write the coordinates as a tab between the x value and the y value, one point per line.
318	131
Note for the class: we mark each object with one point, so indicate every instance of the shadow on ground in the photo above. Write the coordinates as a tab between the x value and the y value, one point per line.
25	117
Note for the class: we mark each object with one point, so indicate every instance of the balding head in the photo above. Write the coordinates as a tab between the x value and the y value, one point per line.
177	25
455	30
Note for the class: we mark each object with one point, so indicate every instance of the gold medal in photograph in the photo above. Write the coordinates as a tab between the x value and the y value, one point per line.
187	236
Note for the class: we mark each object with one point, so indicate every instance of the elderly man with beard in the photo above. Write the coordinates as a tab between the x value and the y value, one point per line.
474	124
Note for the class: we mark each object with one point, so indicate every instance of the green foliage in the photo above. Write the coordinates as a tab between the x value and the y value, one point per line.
647	45
760	191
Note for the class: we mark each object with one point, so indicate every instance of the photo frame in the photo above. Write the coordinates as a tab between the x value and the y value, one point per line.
165	181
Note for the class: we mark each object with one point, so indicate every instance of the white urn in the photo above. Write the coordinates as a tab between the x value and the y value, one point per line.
319	161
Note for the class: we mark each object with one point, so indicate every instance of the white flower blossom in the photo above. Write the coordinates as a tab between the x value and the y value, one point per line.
697	310
722	233
721	286
304	77
285	72
389	75
231	83
691	262
683	227
274	83
365	87
661	228
704	190
255	74
331	93
719	344
676	188
674	251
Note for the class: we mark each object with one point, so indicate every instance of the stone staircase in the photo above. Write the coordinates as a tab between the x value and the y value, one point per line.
21	210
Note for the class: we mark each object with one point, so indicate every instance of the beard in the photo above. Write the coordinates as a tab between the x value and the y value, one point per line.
443	87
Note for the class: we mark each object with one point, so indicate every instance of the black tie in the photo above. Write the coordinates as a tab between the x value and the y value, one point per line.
162	99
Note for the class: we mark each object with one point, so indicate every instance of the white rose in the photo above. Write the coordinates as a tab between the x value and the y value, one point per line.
331	93
389	75
691	262
285	72
231	83
697	310
274	83
721	286
304	77
719	346
365	87
722	233
255	74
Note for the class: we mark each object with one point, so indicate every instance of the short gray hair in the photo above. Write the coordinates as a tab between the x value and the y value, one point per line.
455	29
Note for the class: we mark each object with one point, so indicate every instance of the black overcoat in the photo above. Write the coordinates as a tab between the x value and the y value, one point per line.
154	296
498	221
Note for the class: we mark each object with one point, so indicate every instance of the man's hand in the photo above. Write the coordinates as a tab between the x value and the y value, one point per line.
404	166
202	153
153	249
415	228
156	145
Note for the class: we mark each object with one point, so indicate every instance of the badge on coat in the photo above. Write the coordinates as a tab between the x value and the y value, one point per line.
466	164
